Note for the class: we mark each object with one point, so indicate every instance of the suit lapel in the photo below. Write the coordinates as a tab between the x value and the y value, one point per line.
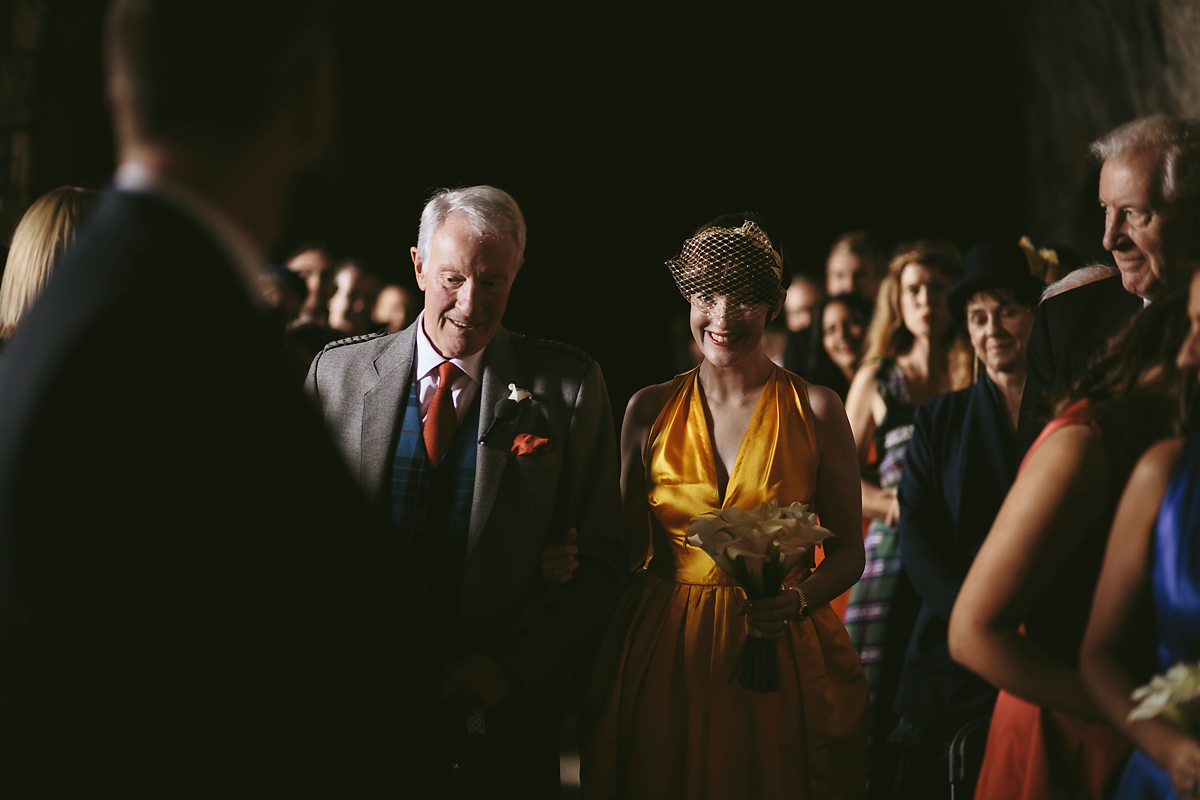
381	409
499	370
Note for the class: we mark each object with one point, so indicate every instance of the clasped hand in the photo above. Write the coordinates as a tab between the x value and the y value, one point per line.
476	682
772	615
559	560
1183	763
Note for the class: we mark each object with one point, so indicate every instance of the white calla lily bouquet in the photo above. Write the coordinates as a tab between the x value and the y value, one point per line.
758	547
1173	697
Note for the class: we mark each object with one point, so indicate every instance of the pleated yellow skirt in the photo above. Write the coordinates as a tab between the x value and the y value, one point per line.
669	720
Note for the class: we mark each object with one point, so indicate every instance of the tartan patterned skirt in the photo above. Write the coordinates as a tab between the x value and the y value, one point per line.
870	599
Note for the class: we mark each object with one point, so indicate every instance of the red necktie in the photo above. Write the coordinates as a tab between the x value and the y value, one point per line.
442	420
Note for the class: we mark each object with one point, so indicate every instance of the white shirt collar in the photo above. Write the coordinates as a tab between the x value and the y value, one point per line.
136	177
428	358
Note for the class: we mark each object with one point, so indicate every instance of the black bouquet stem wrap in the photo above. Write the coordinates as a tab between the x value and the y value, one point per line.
757	668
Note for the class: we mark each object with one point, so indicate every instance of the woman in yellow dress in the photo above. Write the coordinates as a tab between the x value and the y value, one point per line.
666	716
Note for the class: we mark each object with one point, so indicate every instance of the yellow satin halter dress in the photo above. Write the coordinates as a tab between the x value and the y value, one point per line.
665	717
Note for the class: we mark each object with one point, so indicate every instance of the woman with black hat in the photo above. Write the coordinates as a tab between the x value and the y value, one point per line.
961	462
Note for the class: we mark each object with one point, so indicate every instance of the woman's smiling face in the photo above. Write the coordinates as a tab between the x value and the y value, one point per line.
842	335
999	330
726	331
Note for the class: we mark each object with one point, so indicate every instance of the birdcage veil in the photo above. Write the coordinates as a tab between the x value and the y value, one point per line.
736	267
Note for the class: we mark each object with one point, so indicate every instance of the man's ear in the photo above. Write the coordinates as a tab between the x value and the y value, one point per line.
418	267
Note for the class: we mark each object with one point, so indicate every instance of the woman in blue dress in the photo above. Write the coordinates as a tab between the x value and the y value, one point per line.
1148	602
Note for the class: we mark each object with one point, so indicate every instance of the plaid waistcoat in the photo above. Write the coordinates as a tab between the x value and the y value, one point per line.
431	509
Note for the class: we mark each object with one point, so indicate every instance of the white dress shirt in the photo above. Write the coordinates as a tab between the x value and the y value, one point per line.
464	388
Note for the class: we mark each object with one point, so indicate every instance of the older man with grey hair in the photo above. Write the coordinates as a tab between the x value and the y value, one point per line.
482	446
1150	193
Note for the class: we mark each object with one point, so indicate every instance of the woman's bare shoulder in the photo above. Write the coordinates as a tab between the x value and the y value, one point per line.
645	404
824	402
1069	461
1158	462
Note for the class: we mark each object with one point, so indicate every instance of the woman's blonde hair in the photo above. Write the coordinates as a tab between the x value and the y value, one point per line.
44	232
888	337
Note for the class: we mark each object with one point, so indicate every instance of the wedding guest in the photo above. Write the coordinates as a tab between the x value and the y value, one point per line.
1149	187
913	354
802	299
44	233
473	492
353	302
961	461
186	587
284	293
1144	617
666	719
1020	616
395	308
835	345
855	265
313	263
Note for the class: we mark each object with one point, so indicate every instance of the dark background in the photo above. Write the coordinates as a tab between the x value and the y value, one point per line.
620	131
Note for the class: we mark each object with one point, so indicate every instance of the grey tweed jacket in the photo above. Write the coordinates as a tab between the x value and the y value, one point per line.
520	502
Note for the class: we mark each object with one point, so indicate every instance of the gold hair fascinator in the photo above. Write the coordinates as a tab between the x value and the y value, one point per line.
1043	263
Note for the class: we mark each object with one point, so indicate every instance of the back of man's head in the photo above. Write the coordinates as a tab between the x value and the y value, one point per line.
209	72
1178	141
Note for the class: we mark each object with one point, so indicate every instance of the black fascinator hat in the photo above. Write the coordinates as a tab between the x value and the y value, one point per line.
993	265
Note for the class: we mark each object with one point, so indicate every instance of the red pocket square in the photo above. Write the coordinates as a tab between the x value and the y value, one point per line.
526	443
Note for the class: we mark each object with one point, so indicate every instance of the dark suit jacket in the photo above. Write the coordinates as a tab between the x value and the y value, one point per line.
185	600
1069	329
961	463
520	502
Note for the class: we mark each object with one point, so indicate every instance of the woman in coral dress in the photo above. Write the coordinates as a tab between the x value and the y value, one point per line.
667	716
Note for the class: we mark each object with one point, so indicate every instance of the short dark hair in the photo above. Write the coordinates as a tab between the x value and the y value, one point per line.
1007	295
209	71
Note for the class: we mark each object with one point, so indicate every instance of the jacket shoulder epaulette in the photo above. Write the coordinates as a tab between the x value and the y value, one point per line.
548	344
363	337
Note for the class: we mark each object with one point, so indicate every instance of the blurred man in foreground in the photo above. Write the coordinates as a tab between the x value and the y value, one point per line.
186	605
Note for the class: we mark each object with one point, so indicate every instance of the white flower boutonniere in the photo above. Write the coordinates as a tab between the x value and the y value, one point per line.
506	408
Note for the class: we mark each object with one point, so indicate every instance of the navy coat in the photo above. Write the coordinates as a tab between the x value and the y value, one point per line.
961	463
189	603
1070	328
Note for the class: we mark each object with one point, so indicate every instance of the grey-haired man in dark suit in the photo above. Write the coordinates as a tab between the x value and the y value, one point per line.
1150	193
481	446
